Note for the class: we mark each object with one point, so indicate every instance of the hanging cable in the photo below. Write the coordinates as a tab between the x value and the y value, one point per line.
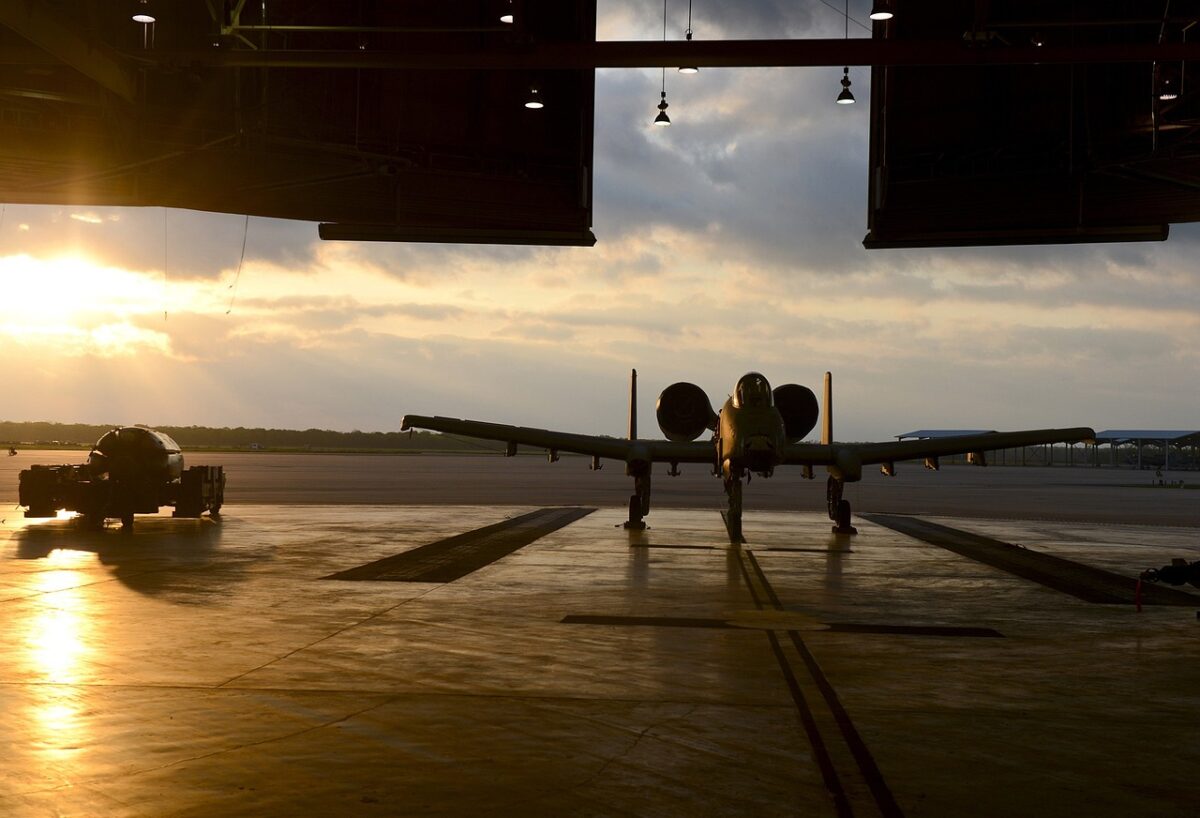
855	20
242	258
166	244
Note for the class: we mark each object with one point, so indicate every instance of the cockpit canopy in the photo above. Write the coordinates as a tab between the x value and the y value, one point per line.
752	392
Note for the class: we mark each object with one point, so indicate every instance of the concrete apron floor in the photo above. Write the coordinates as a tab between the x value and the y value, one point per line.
203	668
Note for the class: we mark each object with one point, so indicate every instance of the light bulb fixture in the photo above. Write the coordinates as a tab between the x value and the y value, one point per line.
534	100
845	98
881	10
143	14
689	69
506	16
662	120
1037	40
1168	81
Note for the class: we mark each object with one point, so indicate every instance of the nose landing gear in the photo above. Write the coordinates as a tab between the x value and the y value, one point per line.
733	517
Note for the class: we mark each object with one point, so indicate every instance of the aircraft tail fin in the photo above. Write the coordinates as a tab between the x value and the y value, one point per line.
827	411
633	404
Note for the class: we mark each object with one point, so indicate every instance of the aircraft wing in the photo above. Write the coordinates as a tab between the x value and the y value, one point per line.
614	448
835	454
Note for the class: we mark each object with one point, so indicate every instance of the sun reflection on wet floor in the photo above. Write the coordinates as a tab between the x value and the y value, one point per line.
59	626
58	645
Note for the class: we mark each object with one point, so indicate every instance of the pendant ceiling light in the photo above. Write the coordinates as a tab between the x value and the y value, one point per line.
142	14
846	97
689	69
882	10
506	12
662	120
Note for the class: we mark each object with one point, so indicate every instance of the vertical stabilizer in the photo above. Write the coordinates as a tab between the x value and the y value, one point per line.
633	404
827	411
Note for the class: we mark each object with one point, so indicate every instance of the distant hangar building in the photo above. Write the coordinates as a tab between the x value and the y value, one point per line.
1161	439
1160	442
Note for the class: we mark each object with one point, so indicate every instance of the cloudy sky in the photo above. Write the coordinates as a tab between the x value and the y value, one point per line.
728	242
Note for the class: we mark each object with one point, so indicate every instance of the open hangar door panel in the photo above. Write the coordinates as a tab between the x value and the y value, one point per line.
364	115
1080	151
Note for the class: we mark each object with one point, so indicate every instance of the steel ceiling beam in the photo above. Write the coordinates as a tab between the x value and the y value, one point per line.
708	54
41	27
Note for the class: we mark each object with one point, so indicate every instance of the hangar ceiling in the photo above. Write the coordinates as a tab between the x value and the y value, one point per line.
97	109
1087	150
405	121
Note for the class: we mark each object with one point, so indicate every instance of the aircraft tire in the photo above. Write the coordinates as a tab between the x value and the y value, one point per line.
127	522
843	514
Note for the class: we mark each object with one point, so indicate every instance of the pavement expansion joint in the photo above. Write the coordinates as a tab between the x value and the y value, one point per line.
1058	573
454	557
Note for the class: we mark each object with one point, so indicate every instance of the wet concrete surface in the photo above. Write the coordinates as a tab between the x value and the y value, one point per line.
204	668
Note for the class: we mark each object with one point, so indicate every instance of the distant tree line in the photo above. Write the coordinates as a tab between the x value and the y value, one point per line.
83	435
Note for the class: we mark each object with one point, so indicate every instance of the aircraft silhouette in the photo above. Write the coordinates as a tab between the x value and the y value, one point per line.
757	430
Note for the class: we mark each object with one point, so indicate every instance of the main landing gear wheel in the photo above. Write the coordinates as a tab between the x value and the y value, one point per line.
127	523
842	519
839	509
639	501
634	523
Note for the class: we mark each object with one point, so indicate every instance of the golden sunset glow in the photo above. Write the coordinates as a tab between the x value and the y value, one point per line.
79	306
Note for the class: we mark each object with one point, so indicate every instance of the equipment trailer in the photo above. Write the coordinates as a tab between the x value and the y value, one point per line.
131	470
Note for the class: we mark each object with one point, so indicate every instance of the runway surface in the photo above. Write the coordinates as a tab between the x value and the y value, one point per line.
215	668
1081	494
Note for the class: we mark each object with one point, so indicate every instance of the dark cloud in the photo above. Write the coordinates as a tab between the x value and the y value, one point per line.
766	177
745	19
419	262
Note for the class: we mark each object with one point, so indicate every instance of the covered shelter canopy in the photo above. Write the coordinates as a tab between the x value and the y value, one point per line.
1118	436
1163	437
935	434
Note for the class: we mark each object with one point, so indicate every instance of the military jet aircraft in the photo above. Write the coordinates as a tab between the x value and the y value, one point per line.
757	430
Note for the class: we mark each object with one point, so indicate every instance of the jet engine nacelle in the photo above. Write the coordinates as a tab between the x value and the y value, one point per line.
683	412
799	408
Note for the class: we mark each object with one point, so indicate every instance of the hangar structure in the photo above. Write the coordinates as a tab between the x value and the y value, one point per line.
1160	440
992	121
1156	444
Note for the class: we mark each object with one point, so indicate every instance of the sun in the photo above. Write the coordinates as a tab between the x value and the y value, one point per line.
79	306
